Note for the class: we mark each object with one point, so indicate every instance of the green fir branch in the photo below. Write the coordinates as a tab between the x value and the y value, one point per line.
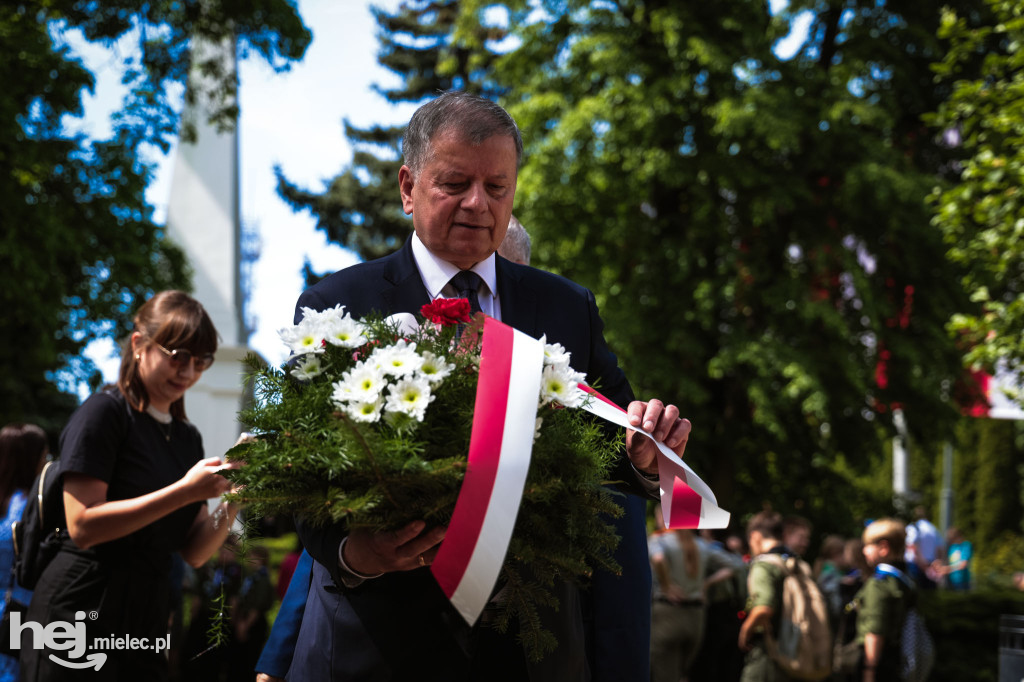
217	635
369	453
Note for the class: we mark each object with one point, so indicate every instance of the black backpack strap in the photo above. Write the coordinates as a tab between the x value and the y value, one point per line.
39	494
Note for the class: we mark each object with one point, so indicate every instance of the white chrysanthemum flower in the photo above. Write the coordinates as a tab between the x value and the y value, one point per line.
305	337
307	368
411	397
554	353
435	368
362	383
345	332
319	316
364	411
558	384
398	360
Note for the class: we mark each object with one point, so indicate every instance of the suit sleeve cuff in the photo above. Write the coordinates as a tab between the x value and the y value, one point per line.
649	482
349	576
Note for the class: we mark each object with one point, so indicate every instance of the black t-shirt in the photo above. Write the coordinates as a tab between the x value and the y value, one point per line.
130	452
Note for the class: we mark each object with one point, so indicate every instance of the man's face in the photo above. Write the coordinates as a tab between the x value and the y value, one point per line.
756	541
871	553
461	200
798	539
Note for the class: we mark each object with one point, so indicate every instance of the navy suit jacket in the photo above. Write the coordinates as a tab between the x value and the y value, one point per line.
400	626
276	657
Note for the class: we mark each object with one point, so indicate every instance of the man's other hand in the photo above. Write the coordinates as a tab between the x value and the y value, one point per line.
659	420
405	549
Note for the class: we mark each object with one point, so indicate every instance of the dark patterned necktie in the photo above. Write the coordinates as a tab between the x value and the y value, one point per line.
466	283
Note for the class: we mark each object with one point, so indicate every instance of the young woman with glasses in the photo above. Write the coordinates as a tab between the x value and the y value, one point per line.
135	485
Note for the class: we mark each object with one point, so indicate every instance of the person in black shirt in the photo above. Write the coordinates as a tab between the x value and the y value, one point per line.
135	484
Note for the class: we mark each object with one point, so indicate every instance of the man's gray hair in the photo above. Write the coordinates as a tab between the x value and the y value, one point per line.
473	117
516	245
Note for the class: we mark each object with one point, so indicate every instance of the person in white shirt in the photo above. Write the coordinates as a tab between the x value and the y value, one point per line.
924	544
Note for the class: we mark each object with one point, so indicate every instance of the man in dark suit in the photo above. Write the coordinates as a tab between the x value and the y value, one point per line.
374	612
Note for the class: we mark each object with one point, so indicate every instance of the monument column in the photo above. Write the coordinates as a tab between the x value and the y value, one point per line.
203	218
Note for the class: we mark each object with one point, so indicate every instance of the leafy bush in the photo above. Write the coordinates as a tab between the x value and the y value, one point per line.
965	626
1004	557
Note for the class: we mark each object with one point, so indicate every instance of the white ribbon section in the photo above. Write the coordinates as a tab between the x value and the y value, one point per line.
671	472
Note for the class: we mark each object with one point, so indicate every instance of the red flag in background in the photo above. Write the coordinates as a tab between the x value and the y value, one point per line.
988	395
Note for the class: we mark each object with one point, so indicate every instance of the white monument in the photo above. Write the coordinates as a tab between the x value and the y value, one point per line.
203	219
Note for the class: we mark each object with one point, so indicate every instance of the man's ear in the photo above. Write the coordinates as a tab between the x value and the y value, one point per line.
405	185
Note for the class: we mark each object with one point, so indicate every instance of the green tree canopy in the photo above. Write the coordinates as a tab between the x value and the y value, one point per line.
78	246
981	213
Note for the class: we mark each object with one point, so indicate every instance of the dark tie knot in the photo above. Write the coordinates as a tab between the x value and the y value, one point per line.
467	283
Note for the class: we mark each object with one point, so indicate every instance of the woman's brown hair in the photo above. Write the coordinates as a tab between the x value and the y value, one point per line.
22	448
174	320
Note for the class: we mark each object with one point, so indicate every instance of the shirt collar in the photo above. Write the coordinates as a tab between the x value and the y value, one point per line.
435	272
162	417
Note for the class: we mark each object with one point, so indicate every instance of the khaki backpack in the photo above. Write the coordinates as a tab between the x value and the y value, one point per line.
803	646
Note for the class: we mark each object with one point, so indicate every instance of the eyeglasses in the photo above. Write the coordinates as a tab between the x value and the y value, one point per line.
181	357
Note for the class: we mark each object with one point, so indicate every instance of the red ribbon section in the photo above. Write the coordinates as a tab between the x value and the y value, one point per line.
484	453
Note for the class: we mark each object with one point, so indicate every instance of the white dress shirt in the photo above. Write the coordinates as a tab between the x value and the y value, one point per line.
436	274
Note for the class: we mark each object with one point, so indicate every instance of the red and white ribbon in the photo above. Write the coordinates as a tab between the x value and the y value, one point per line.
686	500
504	419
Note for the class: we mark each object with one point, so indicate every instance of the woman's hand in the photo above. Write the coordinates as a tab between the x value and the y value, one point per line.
204	479
92	519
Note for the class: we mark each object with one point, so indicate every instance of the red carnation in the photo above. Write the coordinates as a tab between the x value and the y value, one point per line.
446	311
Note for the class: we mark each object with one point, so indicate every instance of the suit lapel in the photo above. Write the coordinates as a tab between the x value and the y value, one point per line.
518	298
406	293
